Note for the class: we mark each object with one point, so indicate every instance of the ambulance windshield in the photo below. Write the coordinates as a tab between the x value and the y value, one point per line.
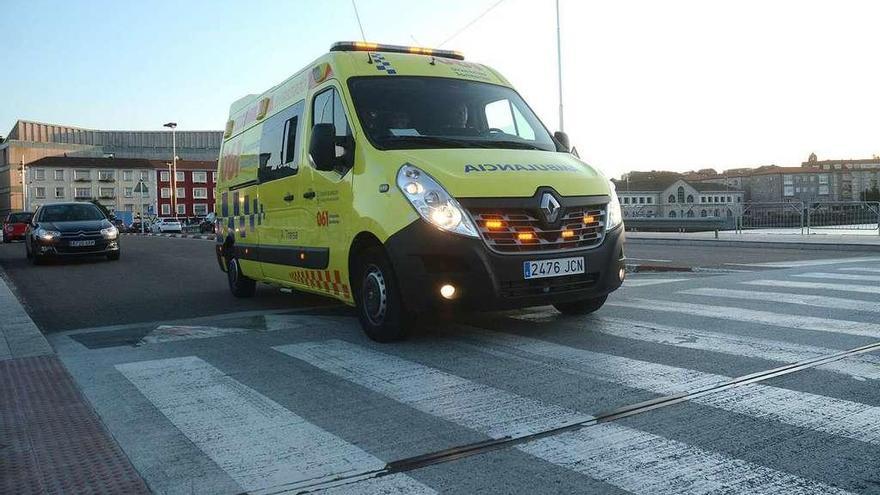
429	112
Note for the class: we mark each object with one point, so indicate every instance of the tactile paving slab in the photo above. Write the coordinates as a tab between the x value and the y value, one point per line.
51	441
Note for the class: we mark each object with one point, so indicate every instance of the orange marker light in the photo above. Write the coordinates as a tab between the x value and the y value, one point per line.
494	224
525	236
567	233
589	219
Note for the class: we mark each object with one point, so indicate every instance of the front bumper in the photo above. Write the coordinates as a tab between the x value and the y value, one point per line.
62	248
425	258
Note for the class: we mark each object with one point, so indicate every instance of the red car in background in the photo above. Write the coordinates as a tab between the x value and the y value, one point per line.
15	225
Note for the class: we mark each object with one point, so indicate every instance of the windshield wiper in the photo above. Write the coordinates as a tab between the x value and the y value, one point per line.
503	143
434	140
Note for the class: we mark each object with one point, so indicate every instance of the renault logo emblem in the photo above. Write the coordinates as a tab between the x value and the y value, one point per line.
550	207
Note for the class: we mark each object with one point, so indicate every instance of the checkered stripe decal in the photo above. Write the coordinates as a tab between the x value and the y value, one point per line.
382	64
322	280
244	220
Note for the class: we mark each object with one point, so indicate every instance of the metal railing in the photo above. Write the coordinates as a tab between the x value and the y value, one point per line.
843	215
772	215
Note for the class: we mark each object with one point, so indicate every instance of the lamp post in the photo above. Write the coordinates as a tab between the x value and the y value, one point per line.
173	126
559	64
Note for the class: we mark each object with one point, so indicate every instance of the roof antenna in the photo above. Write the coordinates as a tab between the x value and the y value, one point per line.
361	26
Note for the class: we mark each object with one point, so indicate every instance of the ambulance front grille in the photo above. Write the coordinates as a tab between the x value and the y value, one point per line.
586	225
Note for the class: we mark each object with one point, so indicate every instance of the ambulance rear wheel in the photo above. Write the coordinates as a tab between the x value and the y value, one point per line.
240	285
582	307
380	307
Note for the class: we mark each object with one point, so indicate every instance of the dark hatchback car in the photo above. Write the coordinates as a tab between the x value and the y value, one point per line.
15	224
71	229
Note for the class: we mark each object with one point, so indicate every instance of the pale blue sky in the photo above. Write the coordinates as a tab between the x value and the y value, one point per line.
679	84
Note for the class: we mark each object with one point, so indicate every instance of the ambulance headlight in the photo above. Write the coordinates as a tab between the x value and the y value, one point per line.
614	214
433	203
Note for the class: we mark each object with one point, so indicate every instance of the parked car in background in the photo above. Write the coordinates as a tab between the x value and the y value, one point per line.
164	225
71	229
207	225
15	225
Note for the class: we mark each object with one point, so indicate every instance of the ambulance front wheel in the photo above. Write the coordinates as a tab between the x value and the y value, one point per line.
240	285
380	307
582	307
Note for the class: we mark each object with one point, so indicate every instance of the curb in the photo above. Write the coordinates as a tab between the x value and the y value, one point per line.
815	246
19	335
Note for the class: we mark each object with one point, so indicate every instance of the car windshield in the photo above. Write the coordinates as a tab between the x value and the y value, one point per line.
19	217
70	213
431	112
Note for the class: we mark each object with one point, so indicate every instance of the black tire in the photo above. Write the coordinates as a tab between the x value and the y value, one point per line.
379	305
582	307
240	285
27	249
114	256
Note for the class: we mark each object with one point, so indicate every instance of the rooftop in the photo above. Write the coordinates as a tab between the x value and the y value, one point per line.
119	163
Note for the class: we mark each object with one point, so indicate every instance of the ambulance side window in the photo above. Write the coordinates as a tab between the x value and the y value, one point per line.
280	144
327	108
503	115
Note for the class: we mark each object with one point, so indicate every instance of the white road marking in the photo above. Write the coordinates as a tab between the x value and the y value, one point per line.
642	282
633	460
829	415
840	276
175	333
259	443
793	284
789	298
796	322
863	366
859	269
802	263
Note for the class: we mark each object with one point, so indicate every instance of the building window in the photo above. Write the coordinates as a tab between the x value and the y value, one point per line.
213	176
107	192
164	176
703	213
717	212
166	192
59	192
127	174
145	175
626	200
83	192
40	192
681	194
39	174
690	198
642	200
650	200
181	209
823	179
82	175
128	207
200	209
200	193
671	198
672	214
690	214
180	176
823	190
200	177
106	175
181	192
729	199
128	192
788	180
166	209
59	175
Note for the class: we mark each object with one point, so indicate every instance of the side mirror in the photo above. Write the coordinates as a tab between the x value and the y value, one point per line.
562	139
322	147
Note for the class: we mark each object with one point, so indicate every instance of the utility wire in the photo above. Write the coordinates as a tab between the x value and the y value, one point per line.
499	2
358	17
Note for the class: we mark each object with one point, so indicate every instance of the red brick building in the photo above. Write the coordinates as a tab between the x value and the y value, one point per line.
195	188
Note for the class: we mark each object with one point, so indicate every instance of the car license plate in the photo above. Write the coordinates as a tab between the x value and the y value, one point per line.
82	243
553	268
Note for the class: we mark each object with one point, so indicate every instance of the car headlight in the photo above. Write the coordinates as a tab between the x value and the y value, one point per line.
614	215
110	232
433	203
46	235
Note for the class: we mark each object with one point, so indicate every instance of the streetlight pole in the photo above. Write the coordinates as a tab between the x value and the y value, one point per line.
559	64
173	127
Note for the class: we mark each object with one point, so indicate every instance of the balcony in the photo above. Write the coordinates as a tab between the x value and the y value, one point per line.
82	179
107	179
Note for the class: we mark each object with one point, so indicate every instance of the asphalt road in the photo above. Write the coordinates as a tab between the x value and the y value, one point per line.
157	278
748	382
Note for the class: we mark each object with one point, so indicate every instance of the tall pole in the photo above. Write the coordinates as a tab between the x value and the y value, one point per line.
559	64
23	185
174	165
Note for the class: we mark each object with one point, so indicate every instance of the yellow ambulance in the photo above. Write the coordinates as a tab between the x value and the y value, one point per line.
405	181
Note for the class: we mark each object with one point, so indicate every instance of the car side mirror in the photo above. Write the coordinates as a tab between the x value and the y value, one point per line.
322	147
562	139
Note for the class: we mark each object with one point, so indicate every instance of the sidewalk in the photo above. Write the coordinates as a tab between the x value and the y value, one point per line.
51	441
768	239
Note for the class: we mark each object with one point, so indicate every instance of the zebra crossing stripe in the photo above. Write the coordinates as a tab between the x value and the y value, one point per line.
793	284
804	263
840	276
829	415
864	366
787	297
642	282
255	440
797	322
859	269
636	461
